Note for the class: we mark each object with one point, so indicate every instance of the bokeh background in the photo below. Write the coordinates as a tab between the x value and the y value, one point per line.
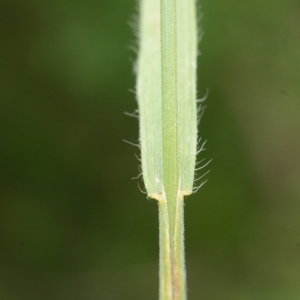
74	225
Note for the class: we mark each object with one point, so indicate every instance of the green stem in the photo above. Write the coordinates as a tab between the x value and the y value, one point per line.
166	90
169	107
165	261
172	268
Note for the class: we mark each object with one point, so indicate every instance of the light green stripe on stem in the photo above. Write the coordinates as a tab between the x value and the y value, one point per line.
173	212
165	260
187	76
149	95
169	107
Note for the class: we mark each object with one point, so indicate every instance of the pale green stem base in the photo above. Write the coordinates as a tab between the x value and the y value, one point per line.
172	265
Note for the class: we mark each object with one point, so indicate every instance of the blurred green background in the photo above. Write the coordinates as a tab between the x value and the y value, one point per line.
73	225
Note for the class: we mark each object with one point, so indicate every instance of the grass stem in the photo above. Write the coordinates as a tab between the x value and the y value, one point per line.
166	90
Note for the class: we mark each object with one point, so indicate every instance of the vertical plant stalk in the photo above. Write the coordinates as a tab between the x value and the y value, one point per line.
166	91
170	214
